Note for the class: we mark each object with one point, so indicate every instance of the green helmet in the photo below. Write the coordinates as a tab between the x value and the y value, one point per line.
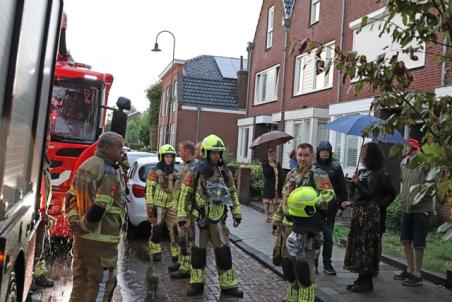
211	143
302	202
166	149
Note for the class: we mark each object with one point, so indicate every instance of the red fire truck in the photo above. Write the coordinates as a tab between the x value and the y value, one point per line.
29	36
76	119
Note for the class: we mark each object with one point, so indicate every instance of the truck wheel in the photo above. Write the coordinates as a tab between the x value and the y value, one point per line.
11	295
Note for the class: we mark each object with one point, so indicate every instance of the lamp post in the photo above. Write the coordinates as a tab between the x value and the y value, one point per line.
288	9
168	108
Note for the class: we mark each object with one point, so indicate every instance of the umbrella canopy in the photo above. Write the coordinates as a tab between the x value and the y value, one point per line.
354	125
271	139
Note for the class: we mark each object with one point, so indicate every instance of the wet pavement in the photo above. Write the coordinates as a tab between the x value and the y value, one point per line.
258	282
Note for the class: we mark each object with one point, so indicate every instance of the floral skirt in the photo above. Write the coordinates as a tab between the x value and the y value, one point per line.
363	250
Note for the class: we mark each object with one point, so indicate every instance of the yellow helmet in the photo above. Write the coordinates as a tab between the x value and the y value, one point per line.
166	149
211	143
302	202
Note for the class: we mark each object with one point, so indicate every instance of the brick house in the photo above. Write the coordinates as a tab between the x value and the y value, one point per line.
209	97
312	100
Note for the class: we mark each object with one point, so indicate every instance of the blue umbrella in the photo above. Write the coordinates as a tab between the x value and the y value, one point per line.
354	125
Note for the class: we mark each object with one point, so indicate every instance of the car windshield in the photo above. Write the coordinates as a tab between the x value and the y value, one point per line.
74	113
143	172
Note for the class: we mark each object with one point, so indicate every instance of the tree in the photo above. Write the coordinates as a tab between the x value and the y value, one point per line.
425	24
154	94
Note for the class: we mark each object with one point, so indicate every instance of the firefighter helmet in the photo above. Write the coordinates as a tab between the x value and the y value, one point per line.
302	202
211	143
166	149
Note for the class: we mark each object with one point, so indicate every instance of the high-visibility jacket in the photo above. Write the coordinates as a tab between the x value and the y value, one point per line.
97	199
161	188
303	176
204	195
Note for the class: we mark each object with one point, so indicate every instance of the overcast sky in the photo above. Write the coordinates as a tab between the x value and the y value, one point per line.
116	36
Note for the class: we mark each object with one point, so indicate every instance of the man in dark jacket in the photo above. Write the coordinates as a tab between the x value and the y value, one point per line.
336	175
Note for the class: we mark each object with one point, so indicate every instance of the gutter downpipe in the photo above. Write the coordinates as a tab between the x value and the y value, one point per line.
198	118
444	64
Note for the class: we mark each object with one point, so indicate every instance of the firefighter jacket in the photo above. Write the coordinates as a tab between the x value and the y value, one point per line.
161	187
208	191
303	176
97	199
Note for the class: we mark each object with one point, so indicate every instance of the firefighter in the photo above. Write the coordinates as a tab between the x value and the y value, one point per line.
300	223
95	208
181	270
161	198
207	193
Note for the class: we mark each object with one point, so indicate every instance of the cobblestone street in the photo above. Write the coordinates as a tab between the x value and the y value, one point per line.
257	282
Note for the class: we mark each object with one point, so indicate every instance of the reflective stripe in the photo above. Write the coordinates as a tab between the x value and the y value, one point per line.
228	279
103	199
102	285
102	237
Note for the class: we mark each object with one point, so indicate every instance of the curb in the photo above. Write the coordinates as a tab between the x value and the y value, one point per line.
266	261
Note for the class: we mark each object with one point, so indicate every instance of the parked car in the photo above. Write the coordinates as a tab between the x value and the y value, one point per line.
132	156
138	224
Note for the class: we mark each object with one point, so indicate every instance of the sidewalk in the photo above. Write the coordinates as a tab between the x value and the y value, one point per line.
254	236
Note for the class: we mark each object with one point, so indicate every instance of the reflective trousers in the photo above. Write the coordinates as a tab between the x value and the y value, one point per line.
168	217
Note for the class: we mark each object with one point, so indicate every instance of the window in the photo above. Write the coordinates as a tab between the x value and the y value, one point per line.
168	100
266	86
302	132
383	44
322	132
315	11
310	76
174	100
270	19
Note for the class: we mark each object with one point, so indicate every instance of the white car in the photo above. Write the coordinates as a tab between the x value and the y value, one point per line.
138	223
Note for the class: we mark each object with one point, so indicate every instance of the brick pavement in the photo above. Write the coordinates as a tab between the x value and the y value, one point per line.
258	283
255	234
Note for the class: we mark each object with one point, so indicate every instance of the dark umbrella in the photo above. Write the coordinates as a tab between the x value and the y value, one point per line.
272	138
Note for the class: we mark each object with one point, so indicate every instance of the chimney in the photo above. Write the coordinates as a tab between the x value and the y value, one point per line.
242	85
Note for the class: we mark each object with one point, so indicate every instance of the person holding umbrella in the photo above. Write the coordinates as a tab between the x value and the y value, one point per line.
273	183
363	251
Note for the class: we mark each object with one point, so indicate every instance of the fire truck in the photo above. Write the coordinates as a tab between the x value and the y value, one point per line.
76	119
29	39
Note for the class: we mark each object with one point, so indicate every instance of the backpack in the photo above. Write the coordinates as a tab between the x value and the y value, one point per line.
388	192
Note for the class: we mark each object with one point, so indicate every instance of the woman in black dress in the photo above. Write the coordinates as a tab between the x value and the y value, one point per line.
363	250
273	183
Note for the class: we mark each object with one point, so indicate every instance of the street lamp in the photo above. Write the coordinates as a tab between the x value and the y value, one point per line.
157	49
286	21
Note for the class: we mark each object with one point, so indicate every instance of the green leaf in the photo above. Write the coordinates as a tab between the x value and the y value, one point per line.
395	150
358	86
364	21
434	150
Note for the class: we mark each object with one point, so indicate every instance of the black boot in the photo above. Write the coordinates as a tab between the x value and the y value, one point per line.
356	282
232	292
179	275
365	286
174	267
195	289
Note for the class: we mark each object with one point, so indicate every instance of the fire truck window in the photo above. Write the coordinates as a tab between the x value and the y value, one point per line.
73	113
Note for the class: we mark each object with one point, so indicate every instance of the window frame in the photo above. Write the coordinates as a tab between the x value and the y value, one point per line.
298	80
269	32
258	80
314	9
